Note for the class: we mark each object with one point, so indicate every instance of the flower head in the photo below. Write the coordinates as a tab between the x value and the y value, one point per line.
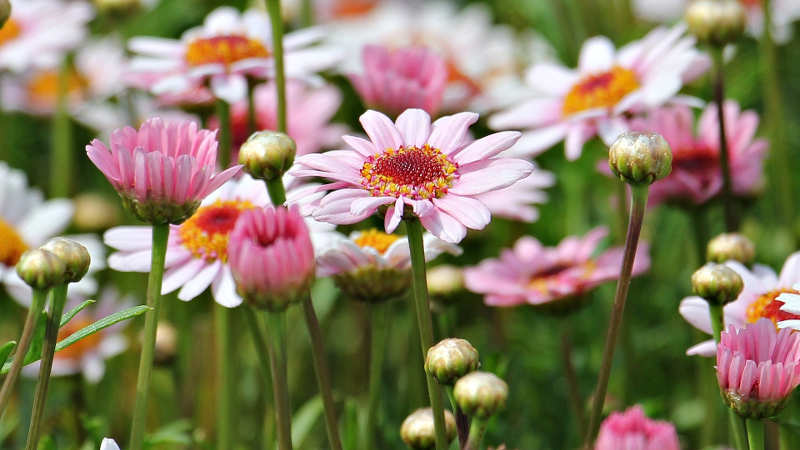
480	394
163	170
418	431
411	163
451	359
632	430
640	158
533	274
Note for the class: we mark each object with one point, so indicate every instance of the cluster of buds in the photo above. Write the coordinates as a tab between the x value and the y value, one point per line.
266	155
58	261
716	22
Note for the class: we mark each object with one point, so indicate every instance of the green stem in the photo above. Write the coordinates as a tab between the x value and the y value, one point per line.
717	320
638	207
276	20
258	340
785	437
572	380
425	324
225	138
462	421
277	193
159	252
739	430
223	327
323	373
378	332
755	434
61	139
252	125
724	158
39	296
276	327
307	13
59	297
700	230
476	430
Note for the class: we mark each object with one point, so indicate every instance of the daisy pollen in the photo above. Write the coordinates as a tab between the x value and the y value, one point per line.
600	90
225	49
769	306
417	172
375	239
13	245
206	233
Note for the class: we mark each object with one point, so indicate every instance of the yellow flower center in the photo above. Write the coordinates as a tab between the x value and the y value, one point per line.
413	172
11	245
378	240
43	87
600	90
224	50
10	31
83	346
206	233
769	307
353	8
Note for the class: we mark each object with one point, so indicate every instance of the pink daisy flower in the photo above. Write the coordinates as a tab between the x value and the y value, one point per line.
197	249
576	104
760	298
515	202
758	368
395	80
530	273
428	167
632	430
227	49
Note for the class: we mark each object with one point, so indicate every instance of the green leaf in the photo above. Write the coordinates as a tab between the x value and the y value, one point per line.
178	432
304	419
102	323
5	350
71	313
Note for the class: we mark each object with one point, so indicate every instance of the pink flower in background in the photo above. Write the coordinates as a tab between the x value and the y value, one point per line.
758	367
632	430
514	202
163	170
530	273
412	163
396	80
574	105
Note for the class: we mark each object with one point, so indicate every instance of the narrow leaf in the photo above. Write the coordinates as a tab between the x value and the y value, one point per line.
5	350
71	313
102	323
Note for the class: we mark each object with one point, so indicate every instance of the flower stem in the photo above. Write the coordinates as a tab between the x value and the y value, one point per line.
159	252
277	193
276	20
571	378
307	13
323	374
717	320
58	298
755	434
223	327
424	323
258	340
785	440
224	115
378	333
252	124
476	430
739	431
276	327
39	296
462	421
638	207
61	139
724	158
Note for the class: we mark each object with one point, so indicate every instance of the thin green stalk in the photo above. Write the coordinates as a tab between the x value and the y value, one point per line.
276	327
755	434
223	327
476	430
39	296
159	252
784	437
700	230
277	193
258	340
276	20
58	298
378	333
462	421
252	125
61	139
425	324
731	221
739	430
225	137
572	380
717	320
307	13
323	374
638	207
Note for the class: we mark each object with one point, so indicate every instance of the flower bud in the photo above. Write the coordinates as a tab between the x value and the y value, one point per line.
451	359
95	212
640	158
166	343
480	394
717	283
40	269
729	246
5	12
418	431
716	22
75	257
267	154
445	280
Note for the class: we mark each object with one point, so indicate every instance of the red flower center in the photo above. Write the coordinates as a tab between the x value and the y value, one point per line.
768	306
206	233
225	50
695	160
600	90
415	172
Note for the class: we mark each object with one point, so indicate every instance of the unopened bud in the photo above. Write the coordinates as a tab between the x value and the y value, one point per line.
716	22
445	280
166	343
5	12
40	269
717	283
640	158
267	154
451	359
75	257
418	430
480	394
731	246
95	212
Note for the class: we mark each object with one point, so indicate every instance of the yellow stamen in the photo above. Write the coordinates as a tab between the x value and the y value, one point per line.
11	245
375	239
224	50
601	90
206	233
10	31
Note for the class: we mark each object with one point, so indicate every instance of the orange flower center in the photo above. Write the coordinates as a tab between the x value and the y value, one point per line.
11	245
206	233
768	306
343	9
224	50
600	90
378	240
415	172
43	87
10	31
456	75
83	346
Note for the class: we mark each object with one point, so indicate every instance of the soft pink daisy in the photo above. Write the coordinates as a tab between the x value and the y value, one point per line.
197	249
758	368
227	49
163	170
531	273
412	163
759	299
515	202
395	80
576	104
632	430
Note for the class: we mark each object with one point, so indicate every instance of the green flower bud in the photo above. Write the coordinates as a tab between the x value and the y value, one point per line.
717	283
418	431
716	22
40	269
480	394
451	359
5	11
267	154
640	158
166	343
75	257
445	280
729	246
95	212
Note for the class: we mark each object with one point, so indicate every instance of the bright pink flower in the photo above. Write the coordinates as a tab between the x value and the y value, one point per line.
531	273
429	168
516	201
162	171
758	367
395	80
632	430
271	257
